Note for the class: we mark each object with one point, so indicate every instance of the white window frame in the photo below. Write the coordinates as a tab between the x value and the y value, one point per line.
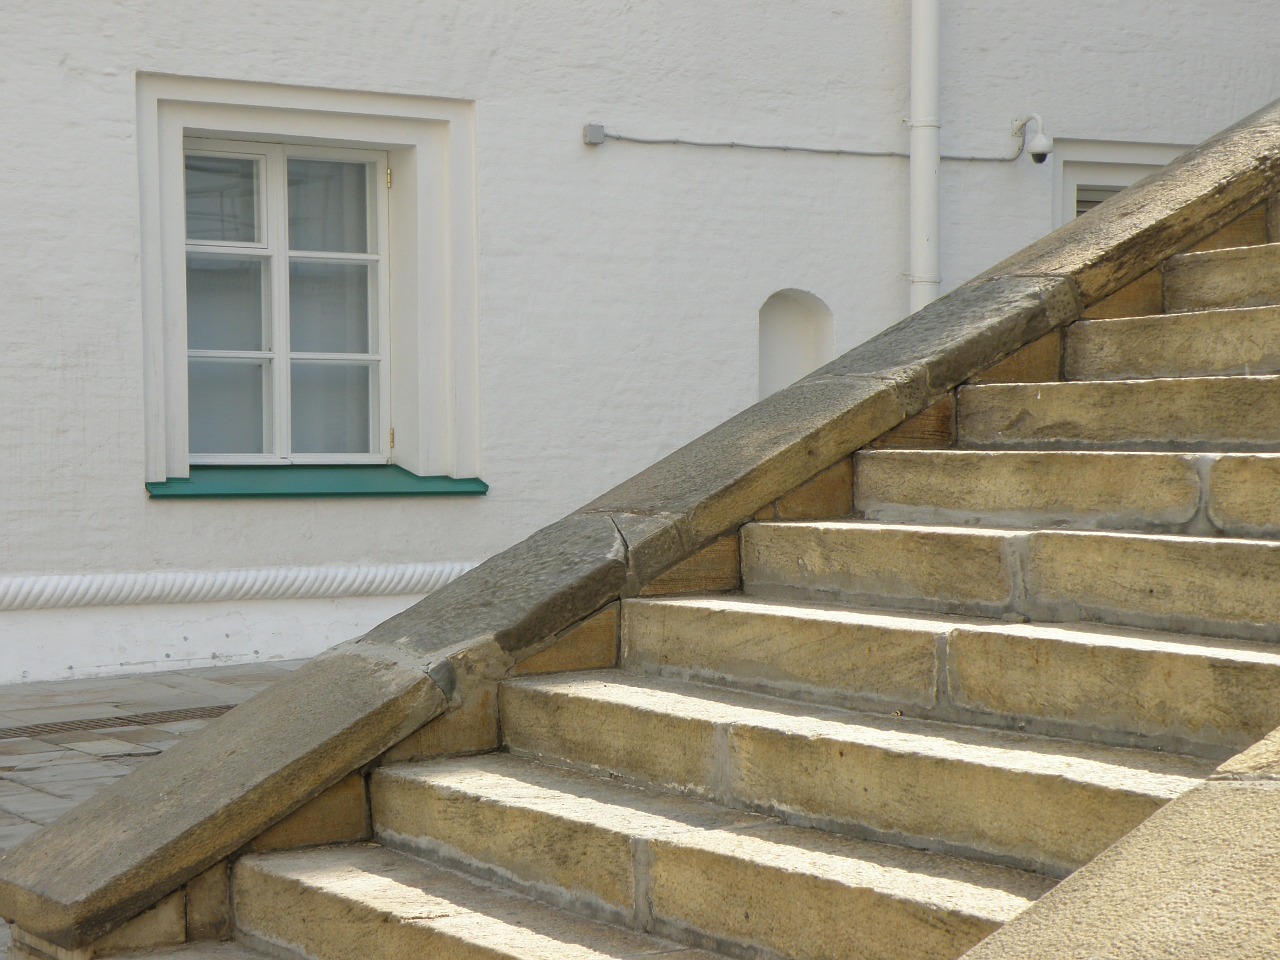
432	393
1102	163
273	247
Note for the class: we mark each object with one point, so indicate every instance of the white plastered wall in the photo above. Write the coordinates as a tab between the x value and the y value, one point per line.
619	286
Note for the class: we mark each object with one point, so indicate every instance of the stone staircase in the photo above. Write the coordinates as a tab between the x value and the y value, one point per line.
909	724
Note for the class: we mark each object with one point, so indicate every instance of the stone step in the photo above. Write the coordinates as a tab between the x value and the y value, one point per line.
1231	277
338	903
1033	802
1216	586
1200	344
1193	413
1030	488
1192	695
1237	494
689	870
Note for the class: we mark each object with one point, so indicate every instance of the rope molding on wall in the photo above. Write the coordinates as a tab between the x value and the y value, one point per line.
206	586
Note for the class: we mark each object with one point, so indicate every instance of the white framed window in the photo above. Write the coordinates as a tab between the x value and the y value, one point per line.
286	313
309	278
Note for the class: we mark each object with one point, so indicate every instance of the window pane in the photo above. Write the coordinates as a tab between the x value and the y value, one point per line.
328	206
222	201
225	303
226	412
328	307
331	403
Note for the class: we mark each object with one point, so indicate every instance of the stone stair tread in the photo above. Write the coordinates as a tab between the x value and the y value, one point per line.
1082	633
1125	686
950	883
1106	489
363	899
1217	342
1143	772
1226	277
1216	586
1163	413
199	950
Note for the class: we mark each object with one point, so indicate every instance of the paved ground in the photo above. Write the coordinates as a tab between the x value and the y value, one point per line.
62	741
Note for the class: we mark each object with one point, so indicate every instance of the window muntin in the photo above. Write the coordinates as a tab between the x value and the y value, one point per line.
287	327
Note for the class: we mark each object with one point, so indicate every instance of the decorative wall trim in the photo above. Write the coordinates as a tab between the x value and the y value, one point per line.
207	586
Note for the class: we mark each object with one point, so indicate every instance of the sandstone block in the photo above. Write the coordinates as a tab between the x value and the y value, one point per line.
926	568
595	721
360	901
1199	879
933	783
1246	230
209	915
1220	587
1037	362
829	494
1212	413
548	828
1028	488
1140	297
714	567
1244	494
801	893
1204	343
1219	694
838	656
164	925
339	815
968	788
1235	277
932	428
589	645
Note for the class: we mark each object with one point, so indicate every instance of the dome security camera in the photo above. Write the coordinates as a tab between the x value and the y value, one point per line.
1040	147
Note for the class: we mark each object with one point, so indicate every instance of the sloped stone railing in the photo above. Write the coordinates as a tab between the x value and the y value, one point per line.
144	838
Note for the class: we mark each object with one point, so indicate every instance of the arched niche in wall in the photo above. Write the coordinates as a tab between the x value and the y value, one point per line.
797	335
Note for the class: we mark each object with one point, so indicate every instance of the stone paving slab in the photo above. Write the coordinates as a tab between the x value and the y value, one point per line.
42	777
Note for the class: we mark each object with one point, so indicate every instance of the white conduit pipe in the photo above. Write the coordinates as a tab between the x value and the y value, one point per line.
924	123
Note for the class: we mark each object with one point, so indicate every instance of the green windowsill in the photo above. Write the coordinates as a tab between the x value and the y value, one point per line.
297	480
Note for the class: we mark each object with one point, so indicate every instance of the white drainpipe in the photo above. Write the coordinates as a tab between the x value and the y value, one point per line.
924	123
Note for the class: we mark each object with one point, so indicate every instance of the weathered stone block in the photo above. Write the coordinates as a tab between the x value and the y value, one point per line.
209	915
600	722
969	788
164	925
1207	413
1236	277
878	564
829	494
589	645
1248	229
339	815
1174	690
1212	343
714	568
1244	494
931	429
831	654
1139	298
1037	362
1216	586
1028	488
1199	879
800	893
